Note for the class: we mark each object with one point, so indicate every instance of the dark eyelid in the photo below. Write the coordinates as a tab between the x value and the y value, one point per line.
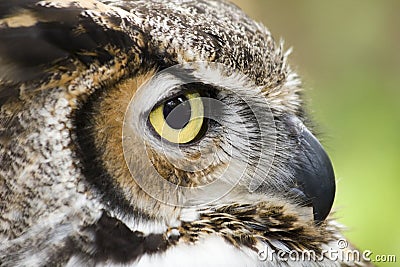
203	89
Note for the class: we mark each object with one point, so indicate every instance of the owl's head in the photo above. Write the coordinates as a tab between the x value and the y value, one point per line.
146	108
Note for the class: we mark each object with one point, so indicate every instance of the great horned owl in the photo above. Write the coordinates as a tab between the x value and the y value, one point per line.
155	133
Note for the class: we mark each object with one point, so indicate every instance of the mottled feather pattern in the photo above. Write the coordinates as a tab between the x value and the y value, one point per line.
68	70
247	224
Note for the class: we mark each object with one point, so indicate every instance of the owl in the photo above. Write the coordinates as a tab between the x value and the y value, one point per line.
156	133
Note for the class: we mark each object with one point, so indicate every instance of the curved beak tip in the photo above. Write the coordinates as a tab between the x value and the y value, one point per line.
314	174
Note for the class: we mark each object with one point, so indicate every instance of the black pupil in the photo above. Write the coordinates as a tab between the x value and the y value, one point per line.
177	112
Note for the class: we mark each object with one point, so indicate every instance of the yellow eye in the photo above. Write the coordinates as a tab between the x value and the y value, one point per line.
179	120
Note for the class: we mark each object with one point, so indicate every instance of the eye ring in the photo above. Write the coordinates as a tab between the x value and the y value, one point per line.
190	127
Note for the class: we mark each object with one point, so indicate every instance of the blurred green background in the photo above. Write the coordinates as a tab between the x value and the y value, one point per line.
347	53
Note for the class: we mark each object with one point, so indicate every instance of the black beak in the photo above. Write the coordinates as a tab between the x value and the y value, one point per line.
314	172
